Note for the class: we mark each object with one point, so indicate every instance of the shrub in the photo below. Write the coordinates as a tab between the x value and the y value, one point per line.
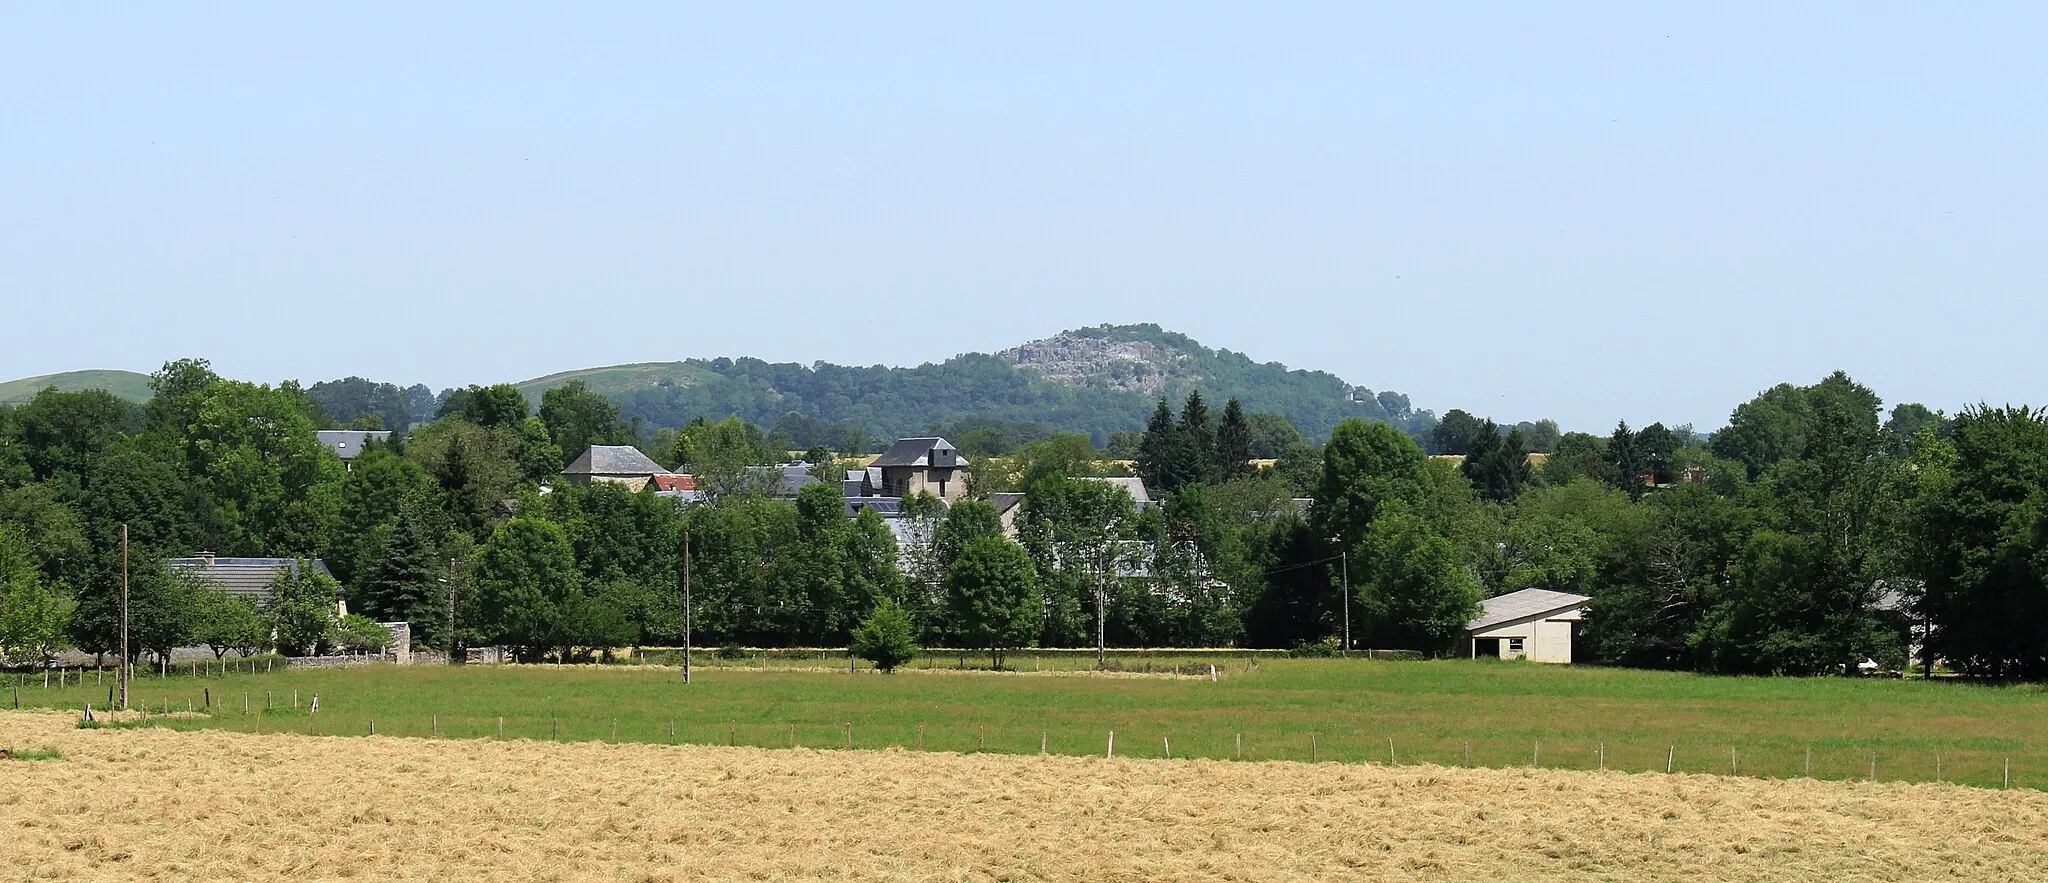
732	651
886	637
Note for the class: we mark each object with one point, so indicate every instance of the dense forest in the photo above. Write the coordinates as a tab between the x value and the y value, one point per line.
1814	531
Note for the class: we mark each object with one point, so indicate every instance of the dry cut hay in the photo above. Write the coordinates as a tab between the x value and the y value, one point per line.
156	804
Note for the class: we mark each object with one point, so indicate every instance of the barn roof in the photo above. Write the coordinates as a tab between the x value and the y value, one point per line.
242	577
1525	604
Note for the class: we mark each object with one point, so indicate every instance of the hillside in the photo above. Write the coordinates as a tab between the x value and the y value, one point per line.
125	384
1093	380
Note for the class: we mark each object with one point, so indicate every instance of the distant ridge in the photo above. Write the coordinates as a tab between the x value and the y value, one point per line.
124	384
1094	380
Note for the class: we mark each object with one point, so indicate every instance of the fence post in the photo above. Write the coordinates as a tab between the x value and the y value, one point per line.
437	726
1312	752
849	734
1937	766
2008	773
1468	754
1603	756
792	735
1670	757
1809	762
373	726
1240	747
1873	766
671	731
501	727
1041	741
1112	745
1168	742
1390	751
732	734
1733	770
1536	754
980	738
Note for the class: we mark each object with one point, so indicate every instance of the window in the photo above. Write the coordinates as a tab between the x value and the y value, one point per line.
1514	645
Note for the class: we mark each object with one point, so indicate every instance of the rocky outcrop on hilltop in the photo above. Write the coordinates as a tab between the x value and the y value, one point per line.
1099	362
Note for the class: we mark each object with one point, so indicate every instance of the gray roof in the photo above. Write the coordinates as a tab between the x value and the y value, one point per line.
243	577
1525	604
1005	502
1136	486
922	452
788	477
613	460
347	443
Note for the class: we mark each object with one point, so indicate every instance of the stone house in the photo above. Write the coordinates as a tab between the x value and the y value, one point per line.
923	465
620	464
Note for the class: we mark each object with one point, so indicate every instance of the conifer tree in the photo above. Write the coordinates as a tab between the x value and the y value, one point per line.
400	584
1233	443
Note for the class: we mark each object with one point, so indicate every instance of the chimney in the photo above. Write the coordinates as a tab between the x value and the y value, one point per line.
206	559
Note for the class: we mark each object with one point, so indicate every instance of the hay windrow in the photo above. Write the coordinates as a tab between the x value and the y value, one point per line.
157	804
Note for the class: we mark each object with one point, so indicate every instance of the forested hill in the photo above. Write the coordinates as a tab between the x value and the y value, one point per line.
1094	380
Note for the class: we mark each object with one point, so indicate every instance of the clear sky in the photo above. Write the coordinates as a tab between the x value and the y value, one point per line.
1580	211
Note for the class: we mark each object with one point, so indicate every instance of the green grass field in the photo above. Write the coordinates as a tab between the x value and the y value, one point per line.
1510	714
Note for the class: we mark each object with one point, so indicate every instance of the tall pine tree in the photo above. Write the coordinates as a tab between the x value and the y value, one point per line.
401	583
1158	450
1233	443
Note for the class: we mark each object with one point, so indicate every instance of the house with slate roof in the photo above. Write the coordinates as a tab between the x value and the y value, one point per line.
621	464
1539	625
348	443
248	578
923	465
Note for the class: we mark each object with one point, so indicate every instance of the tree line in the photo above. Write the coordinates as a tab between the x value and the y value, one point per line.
1813	531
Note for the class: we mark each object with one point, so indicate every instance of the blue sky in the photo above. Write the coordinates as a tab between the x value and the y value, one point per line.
1581	211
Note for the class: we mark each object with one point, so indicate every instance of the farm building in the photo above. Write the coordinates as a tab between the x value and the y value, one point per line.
1534	624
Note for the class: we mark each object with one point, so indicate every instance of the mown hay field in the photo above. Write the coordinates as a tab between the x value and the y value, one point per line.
159	804
1452	713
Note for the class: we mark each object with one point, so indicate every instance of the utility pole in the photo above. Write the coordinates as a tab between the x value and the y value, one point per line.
1344	566
686	606
451	610
124	617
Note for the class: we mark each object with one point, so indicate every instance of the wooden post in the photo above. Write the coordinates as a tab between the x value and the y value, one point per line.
1670	757
849	735
1390	751
1312	752
1240	747
615	730
1937	766
1873	766
1112	745
1733	769
792	735
1603	755
920	737
1168	742
1041	741
2008	774
373	726
554	730
1536	754
245	702
732	734
981	738
437	726
1809	761
501	727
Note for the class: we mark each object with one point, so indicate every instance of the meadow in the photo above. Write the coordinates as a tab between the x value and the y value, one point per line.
1449	712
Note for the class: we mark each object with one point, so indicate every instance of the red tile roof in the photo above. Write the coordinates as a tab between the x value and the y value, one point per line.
674	482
